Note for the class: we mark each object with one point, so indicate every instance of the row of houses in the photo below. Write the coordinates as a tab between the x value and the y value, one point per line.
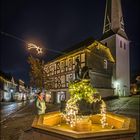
12	90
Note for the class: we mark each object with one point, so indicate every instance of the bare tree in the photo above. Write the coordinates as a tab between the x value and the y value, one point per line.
37	74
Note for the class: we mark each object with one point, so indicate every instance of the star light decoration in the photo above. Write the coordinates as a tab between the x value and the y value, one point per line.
103	120
33	46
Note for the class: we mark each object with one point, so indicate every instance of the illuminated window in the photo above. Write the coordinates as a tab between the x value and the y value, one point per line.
83	57
63	80
58	67
70	64
58	81
69	78
62	66
105	64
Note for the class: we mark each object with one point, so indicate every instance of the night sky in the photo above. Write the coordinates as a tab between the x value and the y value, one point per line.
58	24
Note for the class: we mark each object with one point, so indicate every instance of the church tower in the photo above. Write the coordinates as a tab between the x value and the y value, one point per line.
115	37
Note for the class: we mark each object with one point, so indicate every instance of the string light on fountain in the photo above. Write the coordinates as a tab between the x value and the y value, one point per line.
37	48
71	112
78	90
103	114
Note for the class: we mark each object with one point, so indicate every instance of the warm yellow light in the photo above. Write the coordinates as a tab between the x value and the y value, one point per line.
33	46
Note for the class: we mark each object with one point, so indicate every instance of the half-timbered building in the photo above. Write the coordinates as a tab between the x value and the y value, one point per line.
89	58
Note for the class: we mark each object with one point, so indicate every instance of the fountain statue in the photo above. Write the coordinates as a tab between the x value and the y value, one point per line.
84	117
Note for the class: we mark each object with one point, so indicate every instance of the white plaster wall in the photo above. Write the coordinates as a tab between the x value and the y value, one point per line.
121	72
123	65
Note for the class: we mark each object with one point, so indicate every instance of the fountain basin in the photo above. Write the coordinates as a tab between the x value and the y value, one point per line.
52	126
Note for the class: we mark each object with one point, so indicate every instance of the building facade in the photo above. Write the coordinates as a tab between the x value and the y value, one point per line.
22	92
88	59
115	38
8	88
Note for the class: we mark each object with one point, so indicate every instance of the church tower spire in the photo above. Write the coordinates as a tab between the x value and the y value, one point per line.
113	21
115	38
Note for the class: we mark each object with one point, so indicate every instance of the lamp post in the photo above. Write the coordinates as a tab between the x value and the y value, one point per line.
11	91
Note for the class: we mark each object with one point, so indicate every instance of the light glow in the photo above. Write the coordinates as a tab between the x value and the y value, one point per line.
78	91
103	114
33	46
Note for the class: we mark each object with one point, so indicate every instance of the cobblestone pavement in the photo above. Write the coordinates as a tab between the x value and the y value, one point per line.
8	108
21	121
129	106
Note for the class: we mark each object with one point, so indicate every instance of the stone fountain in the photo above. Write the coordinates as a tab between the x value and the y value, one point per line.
71	125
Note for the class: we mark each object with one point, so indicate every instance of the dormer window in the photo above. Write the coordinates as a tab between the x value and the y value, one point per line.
105	64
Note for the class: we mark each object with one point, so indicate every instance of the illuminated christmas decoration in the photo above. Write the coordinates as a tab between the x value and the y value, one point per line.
71	112
80	90
103	113
33	46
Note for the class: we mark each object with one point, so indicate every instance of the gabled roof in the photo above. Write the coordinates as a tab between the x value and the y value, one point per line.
102	51
82	44
87	43
73	48
5	75
8	77
107	34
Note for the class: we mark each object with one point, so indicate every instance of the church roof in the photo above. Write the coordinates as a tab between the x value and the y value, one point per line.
110	33
113	20
107	34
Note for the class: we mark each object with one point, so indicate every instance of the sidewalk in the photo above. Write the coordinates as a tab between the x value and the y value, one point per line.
20	122
11	102
9	108
124	105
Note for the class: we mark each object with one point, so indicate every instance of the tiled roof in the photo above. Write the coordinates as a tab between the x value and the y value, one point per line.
110	33
107	34
5	75
80	45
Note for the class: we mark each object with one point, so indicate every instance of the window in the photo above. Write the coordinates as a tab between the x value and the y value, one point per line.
70	64
105	43
58	67
69	78
63	80
62	66
120	44
105	64
83	57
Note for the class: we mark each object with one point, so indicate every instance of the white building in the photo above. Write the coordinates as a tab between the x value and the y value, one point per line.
114	37
8	88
